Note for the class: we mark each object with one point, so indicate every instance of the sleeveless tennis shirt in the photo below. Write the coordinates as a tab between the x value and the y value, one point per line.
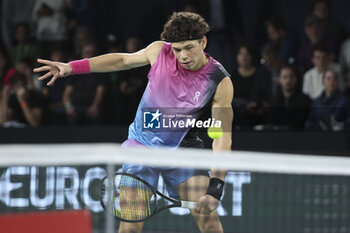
173	94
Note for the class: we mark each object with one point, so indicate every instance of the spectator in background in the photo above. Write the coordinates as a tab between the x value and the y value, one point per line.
342	112
314	34
332	29
12	13
24	47
6	71
50	19
54	94
83	13
254	88
289	107
344	61
225	20
83	36
313	78
272	60
189	7
113	82
277	33
20	105
254	19
130	86
324	106
25	67
83	96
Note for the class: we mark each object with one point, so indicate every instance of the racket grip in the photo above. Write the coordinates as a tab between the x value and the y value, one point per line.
188	204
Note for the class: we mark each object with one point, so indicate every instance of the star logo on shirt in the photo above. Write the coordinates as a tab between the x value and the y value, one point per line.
156	115
151	119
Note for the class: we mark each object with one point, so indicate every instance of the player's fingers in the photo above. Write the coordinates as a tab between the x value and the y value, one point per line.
52	80
46	62
43	68
45	76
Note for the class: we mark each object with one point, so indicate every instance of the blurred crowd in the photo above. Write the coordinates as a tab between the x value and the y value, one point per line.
286	81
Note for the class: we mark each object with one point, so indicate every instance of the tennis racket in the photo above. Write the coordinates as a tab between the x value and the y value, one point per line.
133	199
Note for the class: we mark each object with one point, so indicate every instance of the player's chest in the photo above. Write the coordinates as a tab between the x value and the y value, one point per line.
181	91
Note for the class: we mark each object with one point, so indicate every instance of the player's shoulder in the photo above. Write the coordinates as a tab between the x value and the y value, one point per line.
224	92
219	71
153	50
220	68
226	84
155	47
156	44
223	80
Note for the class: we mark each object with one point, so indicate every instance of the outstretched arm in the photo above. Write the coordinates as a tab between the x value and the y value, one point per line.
104	63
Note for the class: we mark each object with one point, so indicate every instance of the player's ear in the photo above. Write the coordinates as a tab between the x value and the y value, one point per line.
204	42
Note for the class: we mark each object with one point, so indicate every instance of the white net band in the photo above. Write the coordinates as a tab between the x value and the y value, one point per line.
109	153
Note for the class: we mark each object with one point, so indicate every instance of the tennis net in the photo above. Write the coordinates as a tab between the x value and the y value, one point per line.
264	192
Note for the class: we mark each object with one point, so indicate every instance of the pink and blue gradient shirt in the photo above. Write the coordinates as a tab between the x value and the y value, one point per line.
173	94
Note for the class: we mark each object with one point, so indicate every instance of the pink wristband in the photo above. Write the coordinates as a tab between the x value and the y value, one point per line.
80	66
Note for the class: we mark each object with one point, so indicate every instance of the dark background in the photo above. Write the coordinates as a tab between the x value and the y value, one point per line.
321	143
145	19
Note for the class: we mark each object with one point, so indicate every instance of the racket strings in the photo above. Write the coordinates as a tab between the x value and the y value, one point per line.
131	199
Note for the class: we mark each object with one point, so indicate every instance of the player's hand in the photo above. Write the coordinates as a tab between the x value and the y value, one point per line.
207	204
55	69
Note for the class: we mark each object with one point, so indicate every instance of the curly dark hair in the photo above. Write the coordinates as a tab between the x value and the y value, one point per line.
183	26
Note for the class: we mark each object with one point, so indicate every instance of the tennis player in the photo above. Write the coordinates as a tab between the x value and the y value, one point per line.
184	77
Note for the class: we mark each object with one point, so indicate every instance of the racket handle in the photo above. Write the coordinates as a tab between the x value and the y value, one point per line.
189	204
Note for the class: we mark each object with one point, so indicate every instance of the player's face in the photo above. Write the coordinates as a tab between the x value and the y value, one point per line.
190	53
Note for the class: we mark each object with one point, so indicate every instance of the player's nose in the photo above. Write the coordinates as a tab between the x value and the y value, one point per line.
183	56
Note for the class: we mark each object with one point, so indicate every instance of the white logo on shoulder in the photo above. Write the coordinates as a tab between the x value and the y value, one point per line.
196	96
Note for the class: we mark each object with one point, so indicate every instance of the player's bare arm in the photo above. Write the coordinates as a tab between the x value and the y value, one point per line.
124	61
104	63
221	110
